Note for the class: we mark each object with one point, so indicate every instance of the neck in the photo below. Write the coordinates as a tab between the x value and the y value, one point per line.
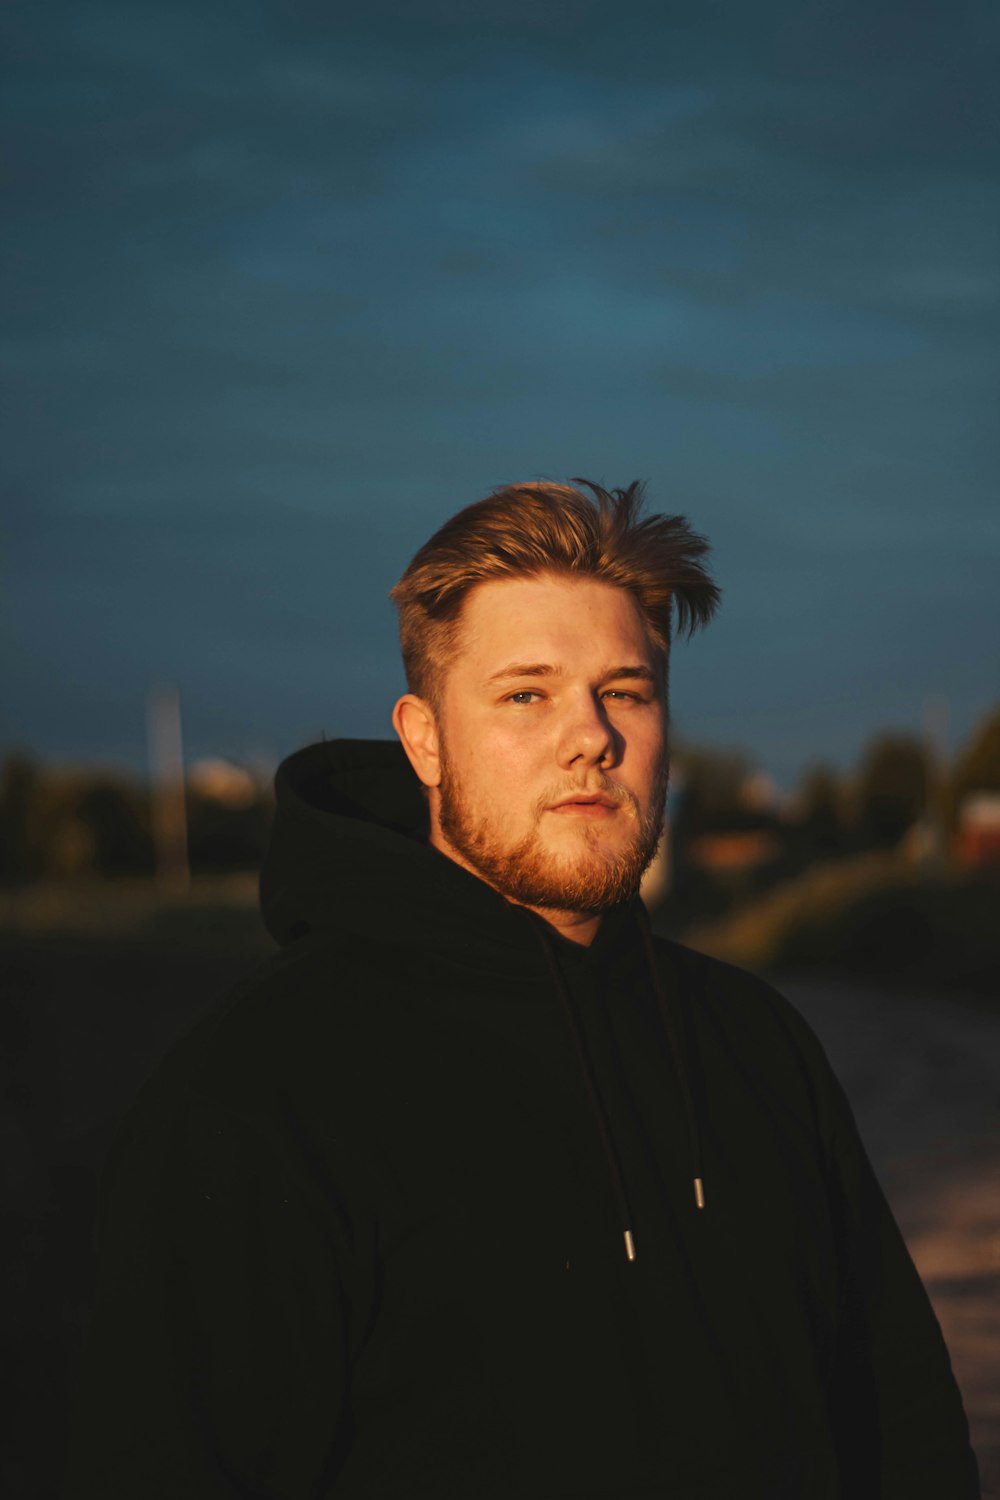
576	926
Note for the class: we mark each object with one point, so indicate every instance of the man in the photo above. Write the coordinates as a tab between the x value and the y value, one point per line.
480	1189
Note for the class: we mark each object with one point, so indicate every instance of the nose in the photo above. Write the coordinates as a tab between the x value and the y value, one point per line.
587	736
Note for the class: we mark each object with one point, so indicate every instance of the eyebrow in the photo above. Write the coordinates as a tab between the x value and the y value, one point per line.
543	669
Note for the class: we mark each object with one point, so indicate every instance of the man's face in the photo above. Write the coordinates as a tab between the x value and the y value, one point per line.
552	724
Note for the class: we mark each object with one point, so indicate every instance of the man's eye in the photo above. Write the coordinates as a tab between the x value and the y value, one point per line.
621	693
524	696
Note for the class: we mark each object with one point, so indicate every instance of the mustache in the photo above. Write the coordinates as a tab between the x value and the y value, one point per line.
605	786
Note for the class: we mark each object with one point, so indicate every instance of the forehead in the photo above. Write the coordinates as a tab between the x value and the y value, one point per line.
566	622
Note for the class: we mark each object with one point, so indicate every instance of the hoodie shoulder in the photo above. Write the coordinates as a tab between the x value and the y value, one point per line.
743	1016
298	1017
719	984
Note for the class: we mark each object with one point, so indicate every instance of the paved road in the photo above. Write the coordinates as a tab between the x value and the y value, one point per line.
923	1076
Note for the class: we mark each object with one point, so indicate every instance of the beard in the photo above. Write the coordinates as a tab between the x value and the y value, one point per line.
594	879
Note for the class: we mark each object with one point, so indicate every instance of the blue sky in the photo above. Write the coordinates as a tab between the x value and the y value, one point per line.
284	287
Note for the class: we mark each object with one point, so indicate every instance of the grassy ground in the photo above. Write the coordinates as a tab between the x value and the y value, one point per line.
94	988
872	917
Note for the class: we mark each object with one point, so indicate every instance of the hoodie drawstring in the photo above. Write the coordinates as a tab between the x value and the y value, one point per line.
597	1103
679	1054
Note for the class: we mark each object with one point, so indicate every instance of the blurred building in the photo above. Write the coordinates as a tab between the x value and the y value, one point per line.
222	781
977	839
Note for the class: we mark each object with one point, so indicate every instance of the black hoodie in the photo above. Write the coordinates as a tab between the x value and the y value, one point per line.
363	1235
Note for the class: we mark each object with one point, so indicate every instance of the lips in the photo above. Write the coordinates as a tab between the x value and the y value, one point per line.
595	803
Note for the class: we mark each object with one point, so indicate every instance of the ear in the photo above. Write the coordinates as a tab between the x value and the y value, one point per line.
413	720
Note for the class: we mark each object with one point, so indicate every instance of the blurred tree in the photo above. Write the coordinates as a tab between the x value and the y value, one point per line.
891	790
21	851
68	823
116	817
709	798
711	789
978	766
820	811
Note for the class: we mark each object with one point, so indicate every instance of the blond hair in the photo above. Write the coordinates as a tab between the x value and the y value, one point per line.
523	530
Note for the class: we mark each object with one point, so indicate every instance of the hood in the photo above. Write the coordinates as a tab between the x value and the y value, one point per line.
349	853
345	813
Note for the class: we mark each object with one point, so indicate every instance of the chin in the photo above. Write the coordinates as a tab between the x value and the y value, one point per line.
558	881
583	867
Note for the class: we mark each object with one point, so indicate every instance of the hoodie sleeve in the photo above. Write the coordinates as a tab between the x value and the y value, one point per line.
217	1361
901	1428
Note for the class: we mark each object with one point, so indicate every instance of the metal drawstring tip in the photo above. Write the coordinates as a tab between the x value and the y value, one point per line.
699	1192
629	1245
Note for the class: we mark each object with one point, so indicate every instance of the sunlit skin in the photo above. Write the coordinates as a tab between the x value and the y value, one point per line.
550	732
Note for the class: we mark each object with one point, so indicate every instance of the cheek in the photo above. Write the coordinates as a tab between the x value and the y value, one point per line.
488	764
503	773
649	762
505	746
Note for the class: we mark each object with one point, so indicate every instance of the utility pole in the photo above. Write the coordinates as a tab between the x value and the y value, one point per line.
166	776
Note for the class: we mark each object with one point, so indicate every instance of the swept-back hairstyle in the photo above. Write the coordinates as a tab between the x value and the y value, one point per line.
524	530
